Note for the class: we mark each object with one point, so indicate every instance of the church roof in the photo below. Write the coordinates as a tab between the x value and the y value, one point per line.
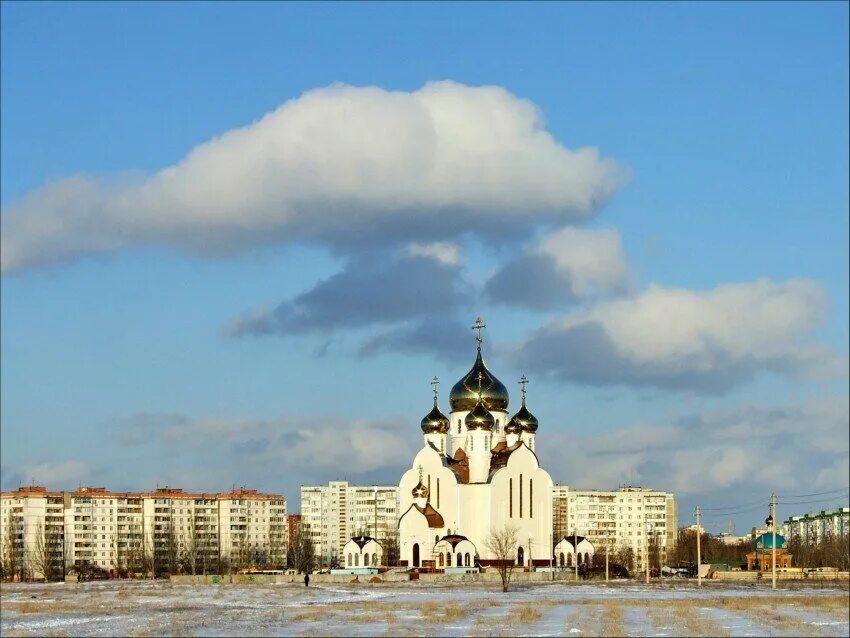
765	541
464	394
453	539
500	455
435	519
574	540
362	540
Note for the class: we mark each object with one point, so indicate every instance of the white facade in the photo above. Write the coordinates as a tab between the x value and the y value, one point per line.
618	519
150	530
815	526
338	511
573	550
363	551
477	473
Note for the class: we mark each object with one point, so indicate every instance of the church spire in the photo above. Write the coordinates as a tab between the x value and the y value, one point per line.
522	383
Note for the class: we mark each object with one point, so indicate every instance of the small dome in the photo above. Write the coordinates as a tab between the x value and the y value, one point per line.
479	418
765	541
435	422
513	427
464	394
420	491
524	419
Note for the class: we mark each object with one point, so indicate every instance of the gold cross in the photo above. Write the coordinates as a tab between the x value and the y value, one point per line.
478	327
435	383
523	382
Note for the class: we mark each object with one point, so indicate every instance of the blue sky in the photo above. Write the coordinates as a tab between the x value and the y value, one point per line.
146	341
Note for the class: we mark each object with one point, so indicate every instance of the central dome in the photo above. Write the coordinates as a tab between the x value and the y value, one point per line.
464	394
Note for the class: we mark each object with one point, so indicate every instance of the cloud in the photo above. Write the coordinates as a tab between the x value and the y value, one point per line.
566	266
341	165
674	338
444	252
443	337
66	474
723	458
374	288
311	443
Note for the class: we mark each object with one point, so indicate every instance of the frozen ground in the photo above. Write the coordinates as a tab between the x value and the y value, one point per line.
553	609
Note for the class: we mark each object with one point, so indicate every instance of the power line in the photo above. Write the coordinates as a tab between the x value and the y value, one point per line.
760	501
841	489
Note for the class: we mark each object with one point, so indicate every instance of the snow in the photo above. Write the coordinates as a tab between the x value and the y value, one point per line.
550	609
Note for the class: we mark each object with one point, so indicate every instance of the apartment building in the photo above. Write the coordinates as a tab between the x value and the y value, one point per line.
815	526
335	512
630	517
165	530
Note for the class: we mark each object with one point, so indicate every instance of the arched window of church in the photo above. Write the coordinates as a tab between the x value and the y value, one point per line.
569	560
520	495
365	560
510	498
416	554
375	559
438	492
357	560
458	426
459	560
466	559
448	559
349	559
562	559
442	561
530	498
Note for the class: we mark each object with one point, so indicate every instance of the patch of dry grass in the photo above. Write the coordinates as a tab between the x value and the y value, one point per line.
612	619
529	615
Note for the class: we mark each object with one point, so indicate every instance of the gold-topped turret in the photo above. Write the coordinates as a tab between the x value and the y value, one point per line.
465	394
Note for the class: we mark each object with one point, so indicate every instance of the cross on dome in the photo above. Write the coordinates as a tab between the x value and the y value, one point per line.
478	327
435	383
523	382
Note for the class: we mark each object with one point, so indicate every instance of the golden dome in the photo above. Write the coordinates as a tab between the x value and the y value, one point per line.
464	394
420	491
522	420
479	418
435	422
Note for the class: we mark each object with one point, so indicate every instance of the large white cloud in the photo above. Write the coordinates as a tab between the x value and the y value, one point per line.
565	266
671	337
724	455
339	164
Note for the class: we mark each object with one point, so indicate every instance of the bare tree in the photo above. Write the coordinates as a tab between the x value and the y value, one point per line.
391	551
277	546
11	544
502	544
302	552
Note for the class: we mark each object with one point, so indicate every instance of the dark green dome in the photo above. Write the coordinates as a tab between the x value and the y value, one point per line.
479	418
464	394
765	541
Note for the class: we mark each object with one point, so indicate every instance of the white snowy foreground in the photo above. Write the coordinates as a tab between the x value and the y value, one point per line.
142	608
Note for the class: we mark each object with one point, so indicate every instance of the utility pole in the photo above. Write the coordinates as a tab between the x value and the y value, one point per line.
773	530
699	558
575	550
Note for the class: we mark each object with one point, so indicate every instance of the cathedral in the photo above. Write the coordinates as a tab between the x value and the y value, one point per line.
477	473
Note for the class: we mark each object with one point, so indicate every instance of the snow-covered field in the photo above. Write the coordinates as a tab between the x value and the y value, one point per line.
552	609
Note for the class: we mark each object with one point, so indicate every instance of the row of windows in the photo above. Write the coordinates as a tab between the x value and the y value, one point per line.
511	497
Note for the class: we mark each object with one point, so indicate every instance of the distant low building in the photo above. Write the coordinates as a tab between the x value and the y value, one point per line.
761	558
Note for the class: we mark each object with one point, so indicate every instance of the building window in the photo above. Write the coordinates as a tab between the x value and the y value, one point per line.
530	498
438	492
442	560
510	498
357	560
520	495
458	426
448	559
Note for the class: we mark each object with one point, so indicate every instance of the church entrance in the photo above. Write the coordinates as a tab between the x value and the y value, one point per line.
520	556
416	554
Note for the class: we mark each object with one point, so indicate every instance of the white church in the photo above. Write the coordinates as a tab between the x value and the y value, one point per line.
477	472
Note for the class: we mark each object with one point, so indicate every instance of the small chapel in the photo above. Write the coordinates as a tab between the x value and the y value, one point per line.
477	472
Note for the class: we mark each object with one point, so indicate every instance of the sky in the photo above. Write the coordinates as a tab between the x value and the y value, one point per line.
238	241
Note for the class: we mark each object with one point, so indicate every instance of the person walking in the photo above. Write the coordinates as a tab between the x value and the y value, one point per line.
306	580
